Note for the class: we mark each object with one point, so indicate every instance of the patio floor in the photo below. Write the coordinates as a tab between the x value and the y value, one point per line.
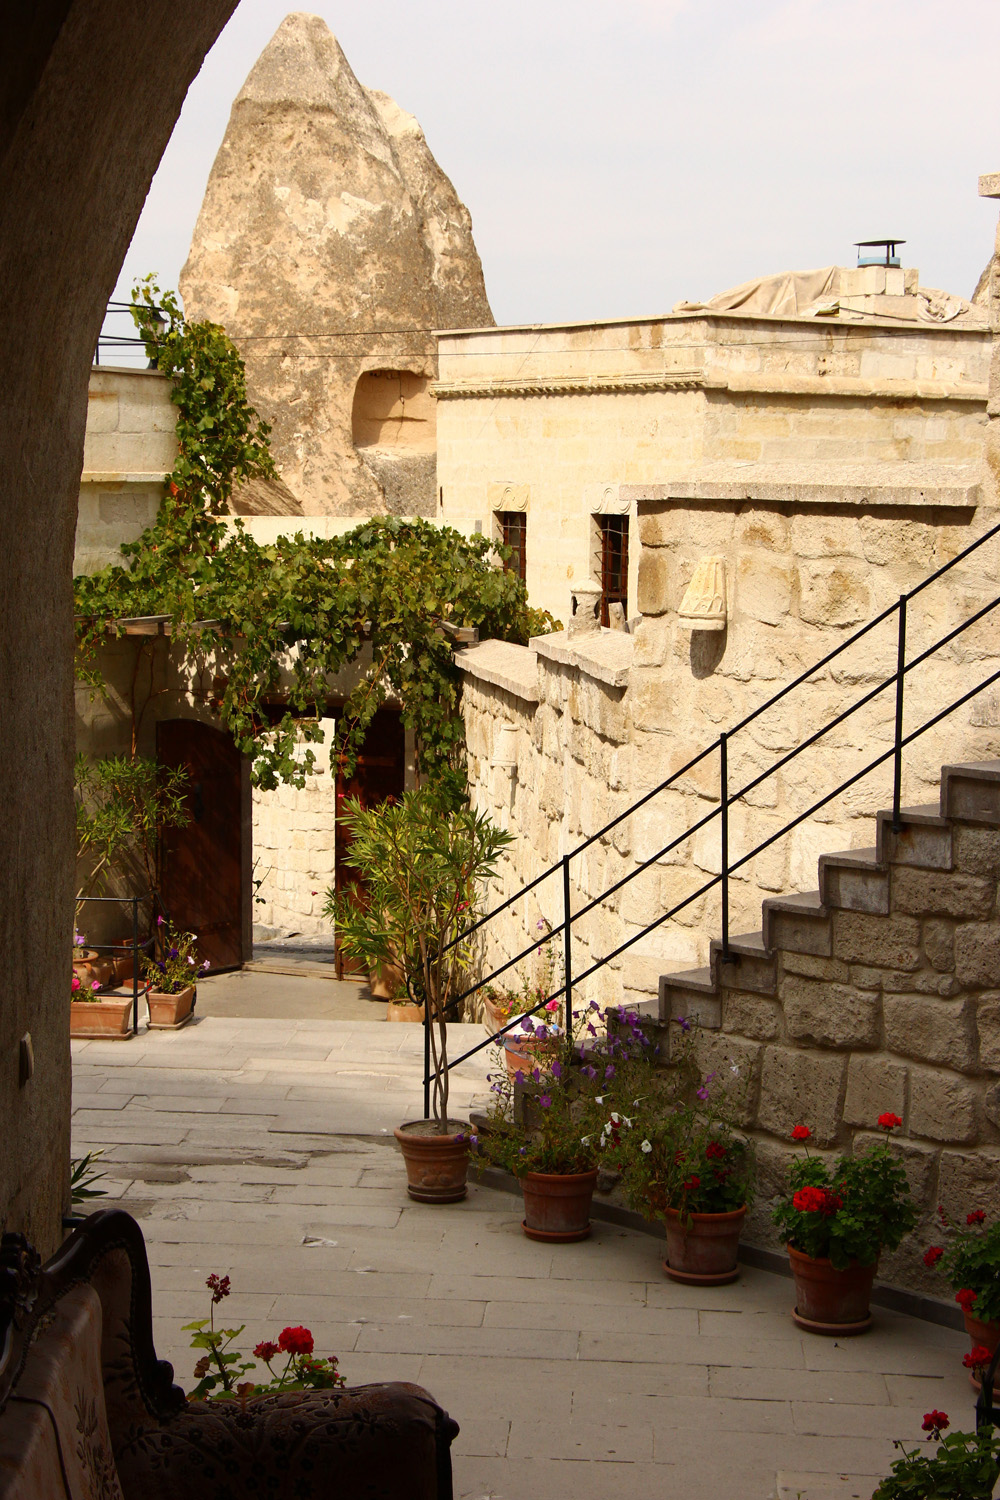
262	1149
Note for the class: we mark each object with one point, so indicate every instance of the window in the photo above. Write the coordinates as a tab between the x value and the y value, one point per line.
513	533
614	563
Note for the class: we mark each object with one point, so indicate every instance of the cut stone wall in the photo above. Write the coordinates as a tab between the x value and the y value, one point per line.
294	839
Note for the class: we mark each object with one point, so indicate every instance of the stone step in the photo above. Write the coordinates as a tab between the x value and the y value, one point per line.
971	792
693	994
798	923
854	881
923	839
751	966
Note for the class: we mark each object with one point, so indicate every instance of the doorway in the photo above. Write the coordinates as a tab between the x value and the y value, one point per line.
378	777
204	868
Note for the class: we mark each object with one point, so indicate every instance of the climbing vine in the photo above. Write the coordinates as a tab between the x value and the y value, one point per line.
276	623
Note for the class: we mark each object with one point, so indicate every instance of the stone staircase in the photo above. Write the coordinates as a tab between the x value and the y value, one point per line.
878	991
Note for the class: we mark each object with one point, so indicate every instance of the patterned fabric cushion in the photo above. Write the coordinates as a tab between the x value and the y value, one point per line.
54	1438
381	1442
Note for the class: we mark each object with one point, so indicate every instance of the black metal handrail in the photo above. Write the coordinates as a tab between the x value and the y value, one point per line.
119	340
727	798
135	944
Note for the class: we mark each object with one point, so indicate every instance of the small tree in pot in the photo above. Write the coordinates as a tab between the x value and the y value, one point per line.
423	860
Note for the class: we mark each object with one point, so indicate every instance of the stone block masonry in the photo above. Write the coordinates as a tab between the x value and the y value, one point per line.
883	1024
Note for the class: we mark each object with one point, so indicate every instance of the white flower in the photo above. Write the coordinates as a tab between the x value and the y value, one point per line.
646	1146
599	1099
616	1117
585	1140
734	1069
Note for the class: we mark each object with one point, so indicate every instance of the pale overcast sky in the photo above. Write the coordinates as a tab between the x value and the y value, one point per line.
619	156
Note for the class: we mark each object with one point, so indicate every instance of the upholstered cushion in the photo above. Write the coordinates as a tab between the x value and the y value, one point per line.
54	1439
381	1442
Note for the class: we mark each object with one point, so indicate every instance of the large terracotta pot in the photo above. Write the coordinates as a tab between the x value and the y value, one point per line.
88	966
384	981
436	1165
557	1205
985	1334
828	1300
403	1010
110	1017
170	1012
703	1248
122	962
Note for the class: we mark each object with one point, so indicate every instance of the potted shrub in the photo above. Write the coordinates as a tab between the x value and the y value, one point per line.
93	1014
423	860
836	1221
172	977
400	1007
683	1159
548	1130
971	1263
966	1466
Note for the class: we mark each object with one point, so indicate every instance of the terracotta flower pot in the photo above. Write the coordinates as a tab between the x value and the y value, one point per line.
403	1011
828	1300
122	962
170	1012
383	982
522	1054
110	1017
704	1249
557	1205
436	1165
987	1335
88	966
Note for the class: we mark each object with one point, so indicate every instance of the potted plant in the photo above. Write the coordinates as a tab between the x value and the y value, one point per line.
400	1007
971	1263
423	859
172	977
966	1465
548	1130
93	1014
836	1221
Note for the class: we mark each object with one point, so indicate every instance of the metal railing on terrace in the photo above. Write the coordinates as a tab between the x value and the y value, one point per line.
893	683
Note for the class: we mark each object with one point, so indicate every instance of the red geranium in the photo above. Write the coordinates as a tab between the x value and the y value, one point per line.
691	1184
976	1217
933	1255
295	1341
817	1200
977	1356
265	1351
801	1133
935	1422
965	1298
218	1286
714	1151
889	1121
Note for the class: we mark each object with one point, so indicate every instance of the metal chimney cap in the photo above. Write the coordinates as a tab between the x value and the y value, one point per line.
888	248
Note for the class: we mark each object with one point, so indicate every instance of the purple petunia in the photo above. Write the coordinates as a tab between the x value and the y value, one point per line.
589	1072
557	1070
609	1071
684	1023
546	1101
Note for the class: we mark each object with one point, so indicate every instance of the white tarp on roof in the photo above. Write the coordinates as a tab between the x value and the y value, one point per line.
821	293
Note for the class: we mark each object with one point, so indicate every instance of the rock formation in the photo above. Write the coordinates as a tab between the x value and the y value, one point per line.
329	245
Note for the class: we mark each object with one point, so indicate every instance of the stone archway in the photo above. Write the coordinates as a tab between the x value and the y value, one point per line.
89	93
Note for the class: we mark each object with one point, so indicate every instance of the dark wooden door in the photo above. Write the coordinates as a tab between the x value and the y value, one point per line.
205	867
378	776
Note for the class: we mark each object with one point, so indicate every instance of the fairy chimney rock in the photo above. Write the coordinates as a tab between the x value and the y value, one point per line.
329	245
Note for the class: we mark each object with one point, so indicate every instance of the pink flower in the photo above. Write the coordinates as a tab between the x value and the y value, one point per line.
95	984
76	982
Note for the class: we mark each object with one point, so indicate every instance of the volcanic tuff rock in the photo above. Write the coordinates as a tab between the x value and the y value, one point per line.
328	245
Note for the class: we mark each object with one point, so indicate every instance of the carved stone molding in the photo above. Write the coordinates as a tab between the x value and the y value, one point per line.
680	380
704	604
501	495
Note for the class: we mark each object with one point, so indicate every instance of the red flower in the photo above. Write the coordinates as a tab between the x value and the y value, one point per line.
265	1351
809	1200
801	1133
977	1356
714	1151
218	1286
965	1298
295	1341
933	1255
889	1121
691	1184
935	1422
976	1217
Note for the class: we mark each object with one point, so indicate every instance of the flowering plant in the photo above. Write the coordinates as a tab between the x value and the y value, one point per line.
85	989
220	1367
554	1125
849	1210
971	1262
684	1151
177	966
966	1466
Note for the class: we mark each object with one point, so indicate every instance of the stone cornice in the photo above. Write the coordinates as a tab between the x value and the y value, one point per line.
582	385
778	384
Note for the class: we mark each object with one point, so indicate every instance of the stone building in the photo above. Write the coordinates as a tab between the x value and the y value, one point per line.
329	246
801	388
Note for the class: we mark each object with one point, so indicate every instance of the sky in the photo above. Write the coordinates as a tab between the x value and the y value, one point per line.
617	157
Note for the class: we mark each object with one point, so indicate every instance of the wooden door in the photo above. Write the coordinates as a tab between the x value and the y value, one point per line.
204	868
378	777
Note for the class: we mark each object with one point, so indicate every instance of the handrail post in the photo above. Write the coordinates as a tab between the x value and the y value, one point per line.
724	840
567	953
427	1058
897	769
135	965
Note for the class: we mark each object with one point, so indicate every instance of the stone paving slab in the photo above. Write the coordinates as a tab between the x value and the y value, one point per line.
263	1150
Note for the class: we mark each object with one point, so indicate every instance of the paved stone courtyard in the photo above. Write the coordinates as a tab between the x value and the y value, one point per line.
262	1149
